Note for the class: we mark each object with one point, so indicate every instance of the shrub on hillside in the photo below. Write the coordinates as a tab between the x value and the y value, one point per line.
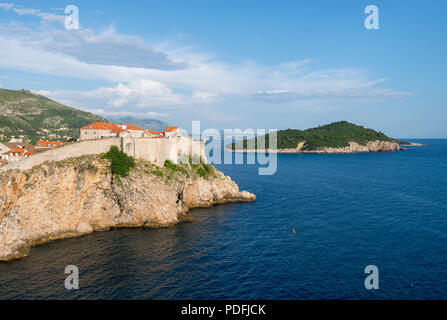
120	162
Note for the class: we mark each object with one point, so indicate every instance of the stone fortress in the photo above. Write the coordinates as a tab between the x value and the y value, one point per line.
97	138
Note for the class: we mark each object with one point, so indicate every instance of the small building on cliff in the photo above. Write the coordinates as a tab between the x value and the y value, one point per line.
14	151
101	130
48	144
172	132
153	134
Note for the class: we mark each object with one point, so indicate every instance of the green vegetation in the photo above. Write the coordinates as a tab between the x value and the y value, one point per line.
335	135
186	168
176	168
203	169
24	113
121	163
203	172
158	173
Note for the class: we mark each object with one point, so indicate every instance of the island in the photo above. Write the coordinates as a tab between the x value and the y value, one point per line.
336	137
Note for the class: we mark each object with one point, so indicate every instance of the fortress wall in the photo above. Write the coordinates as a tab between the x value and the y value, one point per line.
64	152
154	150
159	150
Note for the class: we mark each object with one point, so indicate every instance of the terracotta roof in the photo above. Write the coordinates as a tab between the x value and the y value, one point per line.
100	126
115	127
118	130
170	129
154	132
19	151
48	144
132	127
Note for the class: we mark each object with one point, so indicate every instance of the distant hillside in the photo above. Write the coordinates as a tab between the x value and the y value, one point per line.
334	135
153	124
33	117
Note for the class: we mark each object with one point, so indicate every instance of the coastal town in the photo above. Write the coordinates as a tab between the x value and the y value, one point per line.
17	149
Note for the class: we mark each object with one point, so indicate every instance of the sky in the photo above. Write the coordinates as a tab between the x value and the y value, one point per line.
236	64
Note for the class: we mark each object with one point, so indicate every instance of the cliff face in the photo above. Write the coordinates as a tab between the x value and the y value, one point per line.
354	147
371	146
79	196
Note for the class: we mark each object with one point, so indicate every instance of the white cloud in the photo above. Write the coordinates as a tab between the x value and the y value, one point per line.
51	17
137	95
45	16
148	77
24	11
141	93
6	6
106	113
106	47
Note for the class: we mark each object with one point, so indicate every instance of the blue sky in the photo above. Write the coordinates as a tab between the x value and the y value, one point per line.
246	64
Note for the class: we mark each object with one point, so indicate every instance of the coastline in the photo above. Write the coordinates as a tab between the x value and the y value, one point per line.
413	144
80	196
354	147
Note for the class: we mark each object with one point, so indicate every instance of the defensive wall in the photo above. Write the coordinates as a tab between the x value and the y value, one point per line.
155	150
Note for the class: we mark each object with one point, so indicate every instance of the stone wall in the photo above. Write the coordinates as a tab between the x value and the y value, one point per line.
158	150
155	150
64	152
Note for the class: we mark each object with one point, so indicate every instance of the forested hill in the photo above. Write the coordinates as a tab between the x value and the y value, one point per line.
27	115
335	135
144	123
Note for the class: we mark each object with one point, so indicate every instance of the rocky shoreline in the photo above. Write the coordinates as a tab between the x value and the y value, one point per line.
354	147
79	196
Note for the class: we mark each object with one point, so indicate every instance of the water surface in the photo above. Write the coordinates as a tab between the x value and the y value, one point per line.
349	211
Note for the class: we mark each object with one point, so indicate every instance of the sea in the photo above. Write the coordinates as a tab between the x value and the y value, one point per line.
318	222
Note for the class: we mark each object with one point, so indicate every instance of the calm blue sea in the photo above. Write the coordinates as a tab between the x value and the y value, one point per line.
348	211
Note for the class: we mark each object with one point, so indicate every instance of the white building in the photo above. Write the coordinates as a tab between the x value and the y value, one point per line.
100	130
172	132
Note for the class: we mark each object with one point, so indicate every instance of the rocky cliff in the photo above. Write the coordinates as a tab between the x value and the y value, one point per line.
78	196
354	147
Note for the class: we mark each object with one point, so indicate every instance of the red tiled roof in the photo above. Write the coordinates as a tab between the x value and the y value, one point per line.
159	134
171	129
100	126
48	144
132	127
118	130
115	127
19	151
154	132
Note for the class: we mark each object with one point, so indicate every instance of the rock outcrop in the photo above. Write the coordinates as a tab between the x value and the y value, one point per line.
354	147
78	196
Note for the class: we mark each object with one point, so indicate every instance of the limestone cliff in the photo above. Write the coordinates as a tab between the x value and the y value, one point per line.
354	147
78	196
